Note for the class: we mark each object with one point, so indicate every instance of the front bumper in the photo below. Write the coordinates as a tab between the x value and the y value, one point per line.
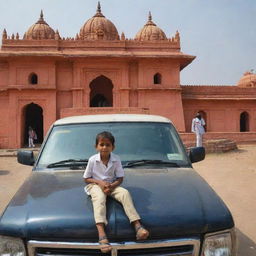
184	247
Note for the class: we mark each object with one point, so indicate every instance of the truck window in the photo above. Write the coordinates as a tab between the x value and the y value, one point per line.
134	141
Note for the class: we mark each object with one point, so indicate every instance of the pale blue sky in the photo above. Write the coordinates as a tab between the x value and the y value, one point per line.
221	33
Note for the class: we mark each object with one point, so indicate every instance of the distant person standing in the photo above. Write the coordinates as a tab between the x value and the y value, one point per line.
198	124
31	137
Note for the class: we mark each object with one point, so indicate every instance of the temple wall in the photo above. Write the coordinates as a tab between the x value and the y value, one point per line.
164	102
189	139
114	70
64	100
133	76
4	74
4	105
21	69
64	83
220	115
169	71
64	89
18	101
4	117
64	76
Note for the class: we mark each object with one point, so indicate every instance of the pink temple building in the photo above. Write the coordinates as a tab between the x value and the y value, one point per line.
44	77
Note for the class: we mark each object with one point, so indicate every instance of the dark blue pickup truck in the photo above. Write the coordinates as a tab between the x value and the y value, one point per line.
52	215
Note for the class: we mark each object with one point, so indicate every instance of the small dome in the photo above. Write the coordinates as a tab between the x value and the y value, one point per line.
247	80
150	32
98	28
40	30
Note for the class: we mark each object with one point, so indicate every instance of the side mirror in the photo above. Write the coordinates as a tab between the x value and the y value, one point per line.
26	157
197	154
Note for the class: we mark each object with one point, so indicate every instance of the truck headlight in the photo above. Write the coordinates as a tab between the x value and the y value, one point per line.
218	245
10	246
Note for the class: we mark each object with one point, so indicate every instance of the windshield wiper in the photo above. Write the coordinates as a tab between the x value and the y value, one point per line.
68	162
148	161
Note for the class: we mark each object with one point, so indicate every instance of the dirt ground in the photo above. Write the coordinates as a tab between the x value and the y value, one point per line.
232	175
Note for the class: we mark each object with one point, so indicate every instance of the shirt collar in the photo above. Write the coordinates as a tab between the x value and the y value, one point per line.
111	159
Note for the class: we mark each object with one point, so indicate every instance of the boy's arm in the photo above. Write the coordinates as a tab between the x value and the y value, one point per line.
116	183
108	189
101	183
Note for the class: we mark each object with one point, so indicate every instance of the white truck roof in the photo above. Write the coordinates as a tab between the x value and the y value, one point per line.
112	118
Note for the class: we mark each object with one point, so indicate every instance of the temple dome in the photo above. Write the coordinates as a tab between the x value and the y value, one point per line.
150	32
247	80
40	30
98	28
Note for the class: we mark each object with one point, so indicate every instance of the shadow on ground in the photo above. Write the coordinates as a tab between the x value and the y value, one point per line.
4	172
246	247
240	150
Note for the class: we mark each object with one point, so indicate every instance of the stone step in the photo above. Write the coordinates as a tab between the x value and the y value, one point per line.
215	146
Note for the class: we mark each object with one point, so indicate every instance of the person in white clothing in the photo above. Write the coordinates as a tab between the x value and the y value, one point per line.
104	174
31	137
198	124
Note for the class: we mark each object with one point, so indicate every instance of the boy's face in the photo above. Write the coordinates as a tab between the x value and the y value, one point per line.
104	147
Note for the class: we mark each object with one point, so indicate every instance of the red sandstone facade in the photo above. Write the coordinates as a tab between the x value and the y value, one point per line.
44	77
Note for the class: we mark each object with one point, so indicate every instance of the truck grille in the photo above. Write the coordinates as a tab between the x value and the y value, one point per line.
179	247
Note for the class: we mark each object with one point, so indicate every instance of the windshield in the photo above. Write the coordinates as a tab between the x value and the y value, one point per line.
134	142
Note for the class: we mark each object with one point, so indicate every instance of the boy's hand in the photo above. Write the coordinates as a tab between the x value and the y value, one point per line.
107	191
102	184
107	188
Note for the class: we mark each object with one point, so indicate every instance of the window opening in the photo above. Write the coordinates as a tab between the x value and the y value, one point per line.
33	79
157	78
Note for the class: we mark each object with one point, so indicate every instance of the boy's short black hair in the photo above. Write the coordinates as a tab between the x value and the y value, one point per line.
105	135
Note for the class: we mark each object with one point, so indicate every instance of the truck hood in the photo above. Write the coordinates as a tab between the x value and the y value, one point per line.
52	205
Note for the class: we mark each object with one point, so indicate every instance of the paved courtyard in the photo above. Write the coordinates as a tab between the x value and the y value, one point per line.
232	175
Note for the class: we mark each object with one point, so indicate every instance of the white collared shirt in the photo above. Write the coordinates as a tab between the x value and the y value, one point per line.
198	125
97	170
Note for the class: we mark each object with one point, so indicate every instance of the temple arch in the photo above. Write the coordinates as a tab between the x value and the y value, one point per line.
33	116
101	92
157	78
33	78
244	122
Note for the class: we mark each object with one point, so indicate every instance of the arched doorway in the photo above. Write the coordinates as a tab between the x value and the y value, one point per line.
244	122
33	114
99	101
101	94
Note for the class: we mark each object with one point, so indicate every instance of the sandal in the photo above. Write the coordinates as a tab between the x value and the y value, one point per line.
105	246
141	233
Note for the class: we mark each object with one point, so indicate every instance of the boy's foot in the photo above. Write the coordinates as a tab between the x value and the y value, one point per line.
141	233
105	246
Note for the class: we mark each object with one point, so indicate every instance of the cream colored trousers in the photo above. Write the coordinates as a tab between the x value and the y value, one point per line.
122	195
